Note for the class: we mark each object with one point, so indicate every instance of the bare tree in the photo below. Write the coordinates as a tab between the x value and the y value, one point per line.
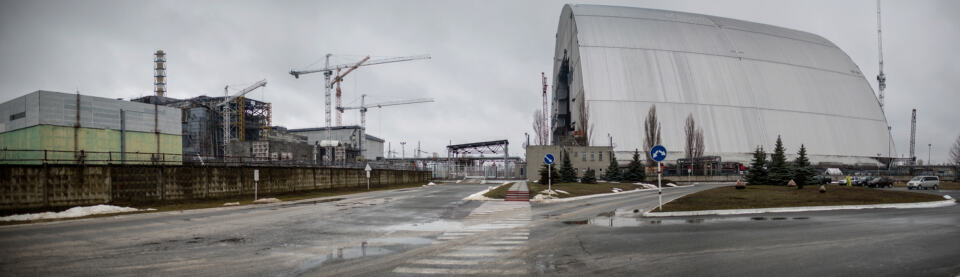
955	152
690	135
540	128
651	128
694	138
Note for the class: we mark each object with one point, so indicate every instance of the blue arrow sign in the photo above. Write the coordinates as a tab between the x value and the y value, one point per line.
658	153
548	159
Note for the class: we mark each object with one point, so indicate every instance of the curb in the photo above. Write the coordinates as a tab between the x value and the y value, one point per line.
931	204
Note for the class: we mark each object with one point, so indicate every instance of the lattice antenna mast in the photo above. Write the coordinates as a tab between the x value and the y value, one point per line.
881	78
545	113
913	134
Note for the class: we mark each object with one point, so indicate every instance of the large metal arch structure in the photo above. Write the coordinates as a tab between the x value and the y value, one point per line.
744	83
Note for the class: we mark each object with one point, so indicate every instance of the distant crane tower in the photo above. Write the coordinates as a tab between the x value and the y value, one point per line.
363	112
160	73
881	78
913	135
329	69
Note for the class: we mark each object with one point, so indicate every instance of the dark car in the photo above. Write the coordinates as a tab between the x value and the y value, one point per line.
880	182
862	181
823	180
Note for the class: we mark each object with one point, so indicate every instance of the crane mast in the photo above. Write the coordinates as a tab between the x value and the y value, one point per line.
881	78
328	70
363	112
227	111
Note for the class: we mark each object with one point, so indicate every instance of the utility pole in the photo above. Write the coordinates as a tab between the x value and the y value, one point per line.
403	150
929	149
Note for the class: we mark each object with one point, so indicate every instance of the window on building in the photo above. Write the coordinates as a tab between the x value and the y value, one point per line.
584	156
591	156
600	156
18	116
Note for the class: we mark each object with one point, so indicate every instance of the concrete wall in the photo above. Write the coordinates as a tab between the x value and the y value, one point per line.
34	186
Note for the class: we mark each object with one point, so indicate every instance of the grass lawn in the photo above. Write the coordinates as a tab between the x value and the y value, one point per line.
180	205
579	189
780	196
499	192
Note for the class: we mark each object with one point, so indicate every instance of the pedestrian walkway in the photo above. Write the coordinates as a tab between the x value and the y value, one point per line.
518	192
497	232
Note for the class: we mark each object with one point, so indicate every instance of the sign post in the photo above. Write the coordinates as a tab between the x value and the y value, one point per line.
368	169
256	180
658	153
548	159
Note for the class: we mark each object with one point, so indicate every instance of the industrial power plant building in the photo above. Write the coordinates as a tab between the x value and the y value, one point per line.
55	127
744	83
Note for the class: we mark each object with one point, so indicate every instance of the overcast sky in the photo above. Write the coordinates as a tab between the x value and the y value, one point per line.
485	70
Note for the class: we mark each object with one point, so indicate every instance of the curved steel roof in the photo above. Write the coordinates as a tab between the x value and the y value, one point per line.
743	82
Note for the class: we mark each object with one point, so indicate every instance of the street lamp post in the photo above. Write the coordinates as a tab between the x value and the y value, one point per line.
929	149
403	150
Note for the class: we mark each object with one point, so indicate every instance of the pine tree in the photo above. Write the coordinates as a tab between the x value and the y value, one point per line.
589	177
567	175
543	174
635	171
756	174
779	170
613	170
802	172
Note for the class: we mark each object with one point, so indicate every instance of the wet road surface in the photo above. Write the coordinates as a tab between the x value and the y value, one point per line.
431	231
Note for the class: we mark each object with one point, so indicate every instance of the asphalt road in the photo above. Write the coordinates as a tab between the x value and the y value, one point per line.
878	242
432	231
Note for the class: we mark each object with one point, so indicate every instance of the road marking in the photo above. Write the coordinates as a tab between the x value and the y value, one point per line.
461	262
490	248
458	271
475	254
504	242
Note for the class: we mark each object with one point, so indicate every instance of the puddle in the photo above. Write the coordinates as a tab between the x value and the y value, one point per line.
435	226
339	255
400	240
312	202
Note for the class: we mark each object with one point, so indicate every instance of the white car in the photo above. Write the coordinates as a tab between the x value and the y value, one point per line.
924	182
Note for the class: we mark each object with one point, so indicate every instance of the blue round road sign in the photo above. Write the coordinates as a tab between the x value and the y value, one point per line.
658	153
548	159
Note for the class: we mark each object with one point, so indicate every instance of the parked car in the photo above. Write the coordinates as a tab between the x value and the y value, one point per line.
863	181
924	182
880	182
823	180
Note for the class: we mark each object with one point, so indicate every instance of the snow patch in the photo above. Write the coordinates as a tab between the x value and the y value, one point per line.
543	197
948	197
430	184
560	191
672	185
266	201
231	204
73	212
479	195
616	190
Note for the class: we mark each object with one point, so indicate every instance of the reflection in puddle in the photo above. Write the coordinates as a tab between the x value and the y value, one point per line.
340	254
